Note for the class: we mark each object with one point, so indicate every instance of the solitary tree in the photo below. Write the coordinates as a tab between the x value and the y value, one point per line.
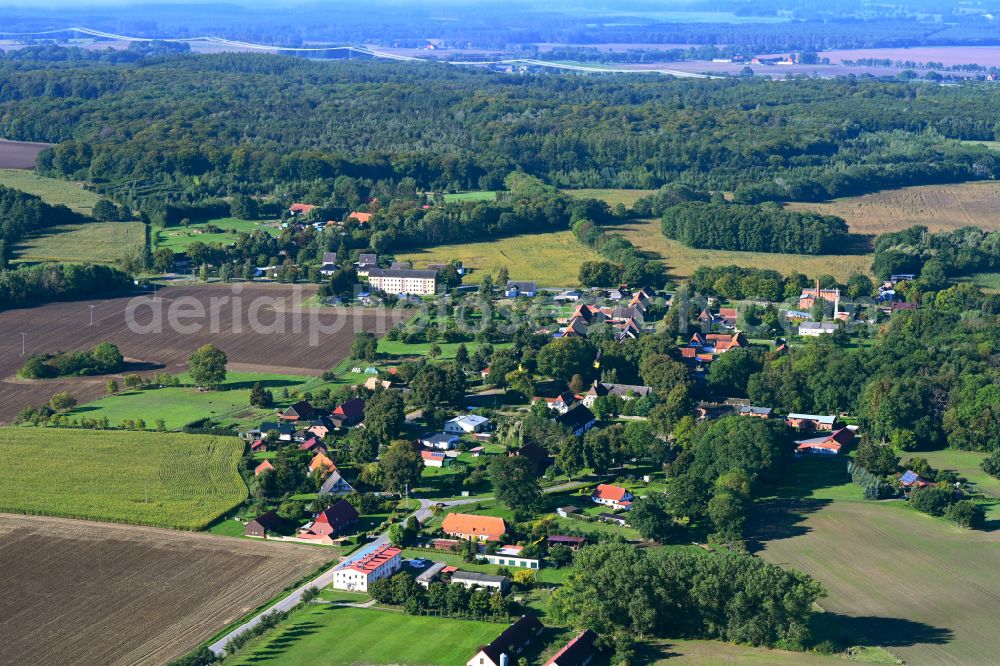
62	401
208	366
111	386
260	396
364	347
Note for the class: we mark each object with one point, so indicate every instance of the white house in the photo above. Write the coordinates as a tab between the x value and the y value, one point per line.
515	289
613	496
510	556
472	579
442	441
466	424
814	329
357	574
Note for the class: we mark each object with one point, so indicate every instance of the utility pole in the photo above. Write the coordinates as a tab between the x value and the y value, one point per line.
91	315
23	337
147	491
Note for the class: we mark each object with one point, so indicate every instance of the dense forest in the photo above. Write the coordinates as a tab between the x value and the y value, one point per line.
726	226
261	124
936	256
30	285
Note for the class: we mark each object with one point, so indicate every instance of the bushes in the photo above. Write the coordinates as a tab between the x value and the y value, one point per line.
991	464
724	226
635	269
934	500
102	359
874	487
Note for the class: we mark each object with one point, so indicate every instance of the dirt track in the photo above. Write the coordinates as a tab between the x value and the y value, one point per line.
77	592
287	340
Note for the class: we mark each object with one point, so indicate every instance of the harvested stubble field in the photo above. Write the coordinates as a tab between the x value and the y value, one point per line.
938	207
681	260
910	583
158	479
278	348
90	593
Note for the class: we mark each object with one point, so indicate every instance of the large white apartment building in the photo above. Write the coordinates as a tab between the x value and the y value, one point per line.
402	280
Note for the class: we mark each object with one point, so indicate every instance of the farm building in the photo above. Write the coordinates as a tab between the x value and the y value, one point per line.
474	528
357	574
811	421
573	542
503	650
578	652
441	441
510	556
264	524
300	411
814	329
756	412
467	424
828	445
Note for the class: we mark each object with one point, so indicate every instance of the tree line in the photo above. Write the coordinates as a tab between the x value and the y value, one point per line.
726	226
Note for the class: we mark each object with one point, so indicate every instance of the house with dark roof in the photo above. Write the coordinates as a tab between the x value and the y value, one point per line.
265	524
348	413
579	420
504	649
578	652
573	542
756	412
300	411
473	579
534	454
330	523
623	391
335	484
515	288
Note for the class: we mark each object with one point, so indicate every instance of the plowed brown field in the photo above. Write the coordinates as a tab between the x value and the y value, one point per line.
77	592
284	345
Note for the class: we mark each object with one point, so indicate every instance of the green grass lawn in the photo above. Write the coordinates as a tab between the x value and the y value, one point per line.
479	195
95	242
179	238
181	405
337	636
52	190
163	480
986	281
395	348
966	464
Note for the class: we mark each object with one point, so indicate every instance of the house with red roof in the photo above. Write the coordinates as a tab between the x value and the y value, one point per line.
474	528
321	461
613	496
265	466
435	459
312	445
358	573
300	209
360	218
258	446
